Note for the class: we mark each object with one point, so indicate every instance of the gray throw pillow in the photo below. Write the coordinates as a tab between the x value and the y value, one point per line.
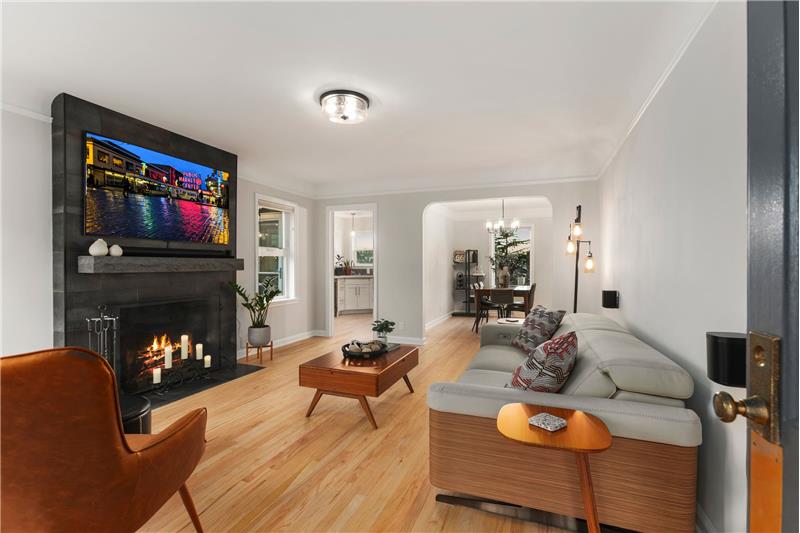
539	326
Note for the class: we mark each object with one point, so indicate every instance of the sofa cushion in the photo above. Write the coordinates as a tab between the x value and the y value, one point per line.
584	321
539	326
636	367
489	378
498	357
547	367
587	379
647	398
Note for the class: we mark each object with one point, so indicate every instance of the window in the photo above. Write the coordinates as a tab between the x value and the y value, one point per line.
275	245
117	161
514	249
102	157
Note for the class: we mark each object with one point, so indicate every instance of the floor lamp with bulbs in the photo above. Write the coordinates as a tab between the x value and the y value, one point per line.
574	242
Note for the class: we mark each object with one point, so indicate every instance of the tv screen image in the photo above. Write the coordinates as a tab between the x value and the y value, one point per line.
134	192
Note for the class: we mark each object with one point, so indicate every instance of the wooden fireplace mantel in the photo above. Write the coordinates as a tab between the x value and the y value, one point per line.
88	264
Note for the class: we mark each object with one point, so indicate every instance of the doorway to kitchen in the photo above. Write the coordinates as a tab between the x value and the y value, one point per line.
351	278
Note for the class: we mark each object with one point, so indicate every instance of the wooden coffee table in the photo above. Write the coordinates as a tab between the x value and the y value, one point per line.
336	375
583	435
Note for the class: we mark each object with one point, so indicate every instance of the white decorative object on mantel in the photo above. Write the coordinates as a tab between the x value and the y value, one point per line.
98	248
115	250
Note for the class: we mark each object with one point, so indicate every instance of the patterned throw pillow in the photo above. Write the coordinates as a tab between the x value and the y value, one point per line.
539	326
548	366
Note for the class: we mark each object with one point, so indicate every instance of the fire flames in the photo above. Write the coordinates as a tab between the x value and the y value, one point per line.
153	354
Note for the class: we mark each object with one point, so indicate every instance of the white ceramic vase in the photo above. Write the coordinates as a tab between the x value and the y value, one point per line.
115	250
98	248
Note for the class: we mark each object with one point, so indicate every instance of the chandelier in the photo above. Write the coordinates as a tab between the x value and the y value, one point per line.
496	227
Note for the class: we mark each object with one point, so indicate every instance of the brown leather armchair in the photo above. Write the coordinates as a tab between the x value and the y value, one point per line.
66	464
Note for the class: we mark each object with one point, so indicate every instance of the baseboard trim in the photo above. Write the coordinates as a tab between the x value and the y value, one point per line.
436	321
704	523
416	341
291	339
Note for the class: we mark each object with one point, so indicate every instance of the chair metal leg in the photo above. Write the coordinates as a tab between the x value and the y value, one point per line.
189	504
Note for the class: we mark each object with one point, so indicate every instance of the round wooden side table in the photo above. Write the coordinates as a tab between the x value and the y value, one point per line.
583	435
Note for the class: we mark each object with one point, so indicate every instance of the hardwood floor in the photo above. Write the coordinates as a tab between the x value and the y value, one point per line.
269	468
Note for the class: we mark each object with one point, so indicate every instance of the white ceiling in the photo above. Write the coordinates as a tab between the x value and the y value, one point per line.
517	207
462	92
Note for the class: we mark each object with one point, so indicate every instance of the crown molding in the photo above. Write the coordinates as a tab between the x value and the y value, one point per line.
452	187
17	110
657	87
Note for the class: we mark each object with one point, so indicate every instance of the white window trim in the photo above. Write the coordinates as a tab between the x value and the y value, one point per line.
290	243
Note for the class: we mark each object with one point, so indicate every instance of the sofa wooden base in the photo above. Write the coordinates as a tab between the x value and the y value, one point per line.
639	485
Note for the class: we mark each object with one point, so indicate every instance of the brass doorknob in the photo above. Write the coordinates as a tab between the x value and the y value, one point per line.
753	408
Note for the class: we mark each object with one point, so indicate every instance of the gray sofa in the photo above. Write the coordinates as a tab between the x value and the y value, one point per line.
645	482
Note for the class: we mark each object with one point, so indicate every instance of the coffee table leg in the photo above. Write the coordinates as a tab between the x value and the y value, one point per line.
317	396
365	406
408	383
589	506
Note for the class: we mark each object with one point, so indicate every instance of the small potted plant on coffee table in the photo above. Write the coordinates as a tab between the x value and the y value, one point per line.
259	333
383	327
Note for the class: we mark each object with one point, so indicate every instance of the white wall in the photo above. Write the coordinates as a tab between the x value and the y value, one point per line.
674	235
438	278
400	284
26	286
289	320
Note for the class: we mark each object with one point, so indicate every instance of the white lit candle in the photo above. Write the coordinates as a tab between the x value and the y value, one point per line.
198	351
168	356
156	376
184	346
207	361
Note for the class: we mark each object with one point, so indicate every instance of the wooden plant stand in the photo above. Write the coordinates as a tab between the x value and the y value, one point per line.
259	352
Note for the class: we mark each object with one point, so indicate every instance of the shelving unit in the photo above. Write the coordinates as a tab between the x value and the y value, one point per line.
469	266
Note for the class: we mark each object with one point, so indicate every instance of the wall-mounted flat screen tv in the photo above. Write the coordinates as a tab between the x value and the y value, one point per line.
137	193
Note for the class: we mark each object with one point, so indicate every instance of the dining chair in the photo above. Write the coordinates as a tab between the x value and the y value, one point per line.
66	463
503	298
520	306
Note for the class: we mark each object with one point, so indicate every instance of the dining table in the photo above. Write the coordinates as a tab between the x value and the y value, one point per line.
520	291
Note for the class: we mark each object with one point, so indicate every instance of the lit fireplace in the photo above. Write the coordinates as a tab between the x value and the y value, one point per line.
155	354
165	344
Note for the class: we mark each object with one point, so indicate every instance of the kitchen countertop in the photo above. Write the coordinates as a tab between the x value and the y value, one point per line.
353	276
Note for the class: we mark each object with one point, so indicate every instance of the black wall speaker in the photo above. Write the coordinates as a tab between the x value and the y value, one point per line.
611	299
727	358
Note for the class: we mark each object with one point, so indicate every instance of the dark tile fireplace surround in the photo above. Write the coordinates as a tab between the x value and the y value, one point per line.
157	288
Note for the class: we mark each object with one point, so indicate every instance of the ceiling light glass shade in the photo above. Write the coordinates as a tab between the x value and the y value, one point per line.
571	248
588	265
344	107
577	229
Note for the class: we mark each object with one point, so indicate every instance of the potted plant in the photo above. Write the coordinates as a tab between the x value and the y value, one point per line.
346	265
383	327
259	333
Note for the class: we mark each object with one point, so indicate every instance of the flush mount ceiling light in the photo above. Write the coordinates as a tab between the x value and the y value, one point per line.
344	107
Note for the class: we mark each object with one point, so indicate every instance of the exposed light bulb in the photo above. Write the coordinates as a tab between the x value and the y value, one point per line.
577	229
588	265
500	223
571	248
515	223
352	233
488	225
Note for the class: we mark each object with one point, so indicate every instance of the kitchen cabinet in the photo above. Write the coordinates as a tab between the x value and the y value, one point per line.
354	294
